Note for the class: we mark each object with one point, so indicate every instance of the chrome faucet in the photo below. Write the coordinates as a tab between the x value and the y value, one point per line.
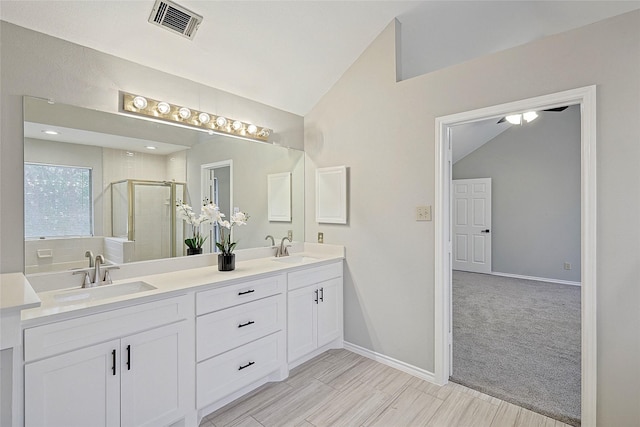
273	242
97	276
283	250
89	254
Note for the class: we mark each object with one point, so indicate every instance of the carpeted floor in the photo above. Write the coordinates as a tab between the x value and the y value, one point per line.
519	340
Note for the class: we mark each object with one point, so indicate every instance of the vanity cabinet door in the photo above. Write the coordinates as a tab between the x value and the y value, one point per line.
329	311
80	388
302	320
154	381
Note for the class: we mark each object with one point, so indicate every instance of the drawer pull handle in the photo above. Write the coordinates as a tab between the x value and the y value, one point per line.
113	362
242	325
128	358
321	294
246	292
246	366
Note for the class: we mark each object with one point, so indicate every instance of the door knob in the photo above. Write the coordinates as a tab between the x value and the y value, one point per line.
485	231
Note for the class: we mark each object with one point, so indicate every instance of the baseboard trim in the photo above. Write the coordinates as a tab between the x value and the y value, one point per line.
537	279
423	374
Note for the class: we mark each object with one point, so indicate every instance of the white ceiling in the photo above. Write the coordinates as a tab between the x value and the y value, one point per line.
288	54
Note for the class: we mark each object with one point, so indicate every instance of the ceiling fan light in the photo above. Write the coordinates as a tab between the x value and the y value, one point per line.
514	119
140	102
530	116
163	107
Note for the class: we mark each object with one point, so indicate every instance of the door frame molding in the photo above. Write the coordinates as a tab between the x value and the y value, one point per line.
586	98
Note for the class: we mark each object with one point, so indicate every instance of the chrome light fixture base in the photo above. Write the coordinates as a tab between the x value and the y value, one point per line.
184	116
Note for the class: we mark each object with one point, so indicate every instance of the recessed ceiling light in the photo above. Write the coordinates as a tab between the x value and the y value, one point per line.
150	147
51	132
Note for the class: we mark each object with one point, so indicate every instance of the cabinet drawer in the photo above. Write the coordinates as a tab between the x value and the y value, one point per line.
228	296
309	276
235	369
60	337
226	329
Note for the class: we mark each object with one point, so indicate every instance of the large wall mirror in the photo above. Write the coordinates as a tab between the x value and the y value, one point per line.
109	183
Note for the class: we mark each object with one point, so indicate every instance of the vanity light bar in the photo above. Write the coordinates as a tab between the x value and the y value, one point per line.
161	110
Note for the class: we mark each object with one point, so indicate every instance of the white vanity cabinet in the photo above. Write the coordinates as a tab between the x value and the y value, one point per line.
98	370
240	339
314	311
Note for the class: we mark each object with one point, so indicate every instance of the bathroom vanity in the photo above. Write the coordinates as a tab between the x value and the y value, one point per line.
167	349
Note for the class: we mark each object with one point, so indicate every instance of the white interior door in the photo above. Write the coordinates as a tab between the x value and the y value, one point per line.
472	225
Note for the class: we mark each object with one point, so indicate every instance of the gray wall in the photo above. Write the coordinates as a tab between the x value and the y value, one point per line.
35	64
384	132
535	171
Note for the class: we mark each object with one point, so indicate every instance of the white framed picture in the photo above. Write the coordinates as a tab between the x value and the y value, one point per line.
279	196
331	195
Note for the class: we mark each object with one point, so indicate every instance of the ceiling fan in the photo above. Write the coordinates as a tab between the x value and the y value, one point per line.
531	115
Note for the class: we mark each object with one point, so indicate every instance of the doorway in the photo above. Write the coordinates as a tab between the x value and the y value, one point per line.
217	187
585	97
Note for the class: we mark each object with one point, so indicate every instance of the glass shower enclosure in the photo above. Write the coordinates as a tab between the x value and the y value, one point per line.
144	213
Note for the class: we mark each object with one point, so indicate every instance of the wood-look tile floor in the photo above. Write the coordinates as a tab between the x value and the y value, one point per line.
341	388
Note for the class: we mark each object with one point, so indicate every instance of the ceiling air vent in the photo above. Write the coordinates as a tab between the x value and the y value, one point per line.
175	18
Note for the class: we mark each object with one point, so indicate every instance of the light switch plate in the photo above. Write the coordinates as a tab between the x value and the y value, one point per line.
290	235
423	213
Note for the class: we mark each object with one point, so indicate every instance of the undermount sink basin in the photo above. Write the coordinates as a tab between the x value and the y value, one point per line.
84	295
295	259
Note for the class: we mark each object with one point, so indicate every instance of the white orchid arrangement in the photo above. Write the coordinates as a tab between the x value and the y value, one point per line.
185	212
239	218
210	213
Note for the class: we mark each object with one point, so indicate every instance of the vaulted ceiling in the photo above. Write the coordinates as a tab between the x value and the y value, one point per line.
288	54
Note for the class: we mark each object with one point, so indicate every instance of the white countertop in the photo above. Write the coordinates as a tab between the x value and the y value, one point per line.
172	283
16	293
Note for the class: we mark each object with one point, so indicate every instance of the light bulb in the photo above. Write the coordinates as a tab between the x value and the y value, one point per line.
163	107
530	116
184	112
140	102
514	119
221	121
252	129
237	125
204	118
264	132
